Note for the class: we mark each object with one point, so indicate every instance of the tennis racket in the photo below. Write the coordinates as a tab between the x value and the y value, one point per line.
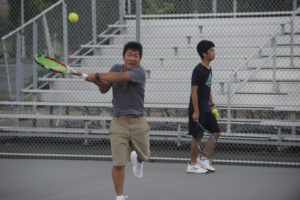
56	66
210	144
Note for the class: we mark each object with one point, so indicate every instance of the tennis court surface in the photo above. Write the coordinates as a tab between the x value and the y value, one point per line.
91	180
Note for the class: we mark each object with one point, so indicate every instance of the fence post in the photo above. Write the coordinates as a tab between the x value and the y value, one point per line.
23	37
234	8
48	38
34	71
214	6
19	68
65	31
229	108
138	19
121	11
129	7
273	45
292	33
94	22
7	70
19	73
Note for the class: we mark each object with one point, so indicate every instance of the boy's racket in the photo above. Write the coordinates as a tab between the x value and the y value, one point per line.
56	66
210	144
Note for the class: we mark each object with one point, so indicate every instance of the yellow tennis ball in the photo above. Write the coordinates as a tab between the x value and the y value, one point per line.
215	112
73	17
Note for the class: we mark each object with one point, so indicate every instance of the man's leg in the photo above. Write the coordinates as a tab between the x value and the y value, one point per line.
194	151
208	150
193	166
120	152
118	175
140	143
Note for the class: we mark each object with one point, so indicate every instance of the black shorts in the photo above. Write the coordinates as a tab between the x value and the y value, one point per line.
207	120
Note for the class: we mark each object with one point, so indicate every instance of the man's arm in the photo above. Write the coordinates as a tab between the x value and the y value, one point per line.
112	77
106	79
211	101
103	86
195	102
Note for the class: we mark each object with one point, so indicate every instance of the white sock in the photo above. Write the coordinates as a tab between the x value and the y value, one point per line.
120	197
203	158
140	164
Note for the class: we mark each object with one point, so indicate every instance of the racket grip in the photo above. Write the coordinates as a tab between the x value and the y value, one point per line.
84	75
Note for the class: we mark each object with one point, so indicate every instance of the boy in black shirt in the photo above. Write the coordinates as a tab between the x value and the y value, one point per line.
200	107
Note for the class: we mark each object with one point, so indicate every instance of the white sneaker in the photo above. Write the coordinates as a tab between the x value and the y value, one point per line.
137	168
195	169
122	198
204	163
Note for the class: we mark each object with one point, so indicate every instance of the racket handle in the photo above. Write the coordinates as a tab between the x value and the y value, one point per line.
84	75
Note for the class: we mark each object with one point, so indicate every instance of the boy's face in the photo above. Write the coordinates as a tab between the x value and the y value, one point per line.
131	59
210	55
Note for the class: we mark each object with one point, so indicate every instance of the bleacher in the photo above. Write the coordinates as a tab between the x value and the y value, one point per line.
246	82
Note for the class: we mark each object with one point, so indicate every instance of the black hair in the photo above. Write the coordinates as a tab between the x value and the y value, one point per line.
203	46
136	46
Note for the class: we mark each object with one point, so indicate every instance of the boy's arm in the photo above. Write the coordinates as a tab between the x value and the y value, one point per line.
195	102
211	101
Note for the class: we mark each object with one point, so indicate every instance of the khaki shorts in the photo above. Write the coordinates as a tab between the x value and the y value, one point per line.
127	135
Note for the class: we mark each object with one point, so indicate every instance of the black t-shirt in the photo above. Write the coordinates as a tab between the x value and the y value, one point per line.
202	77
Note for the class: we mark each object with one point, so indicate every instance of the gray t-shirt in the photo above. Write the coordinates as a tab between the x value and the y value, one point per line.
128	96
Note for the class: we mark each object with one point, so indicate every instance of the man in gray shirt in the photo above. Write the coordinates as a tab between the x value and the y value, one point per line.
128	129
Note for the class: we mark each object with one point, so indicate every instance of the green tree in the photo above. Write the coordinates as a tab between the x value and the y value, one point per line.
31	9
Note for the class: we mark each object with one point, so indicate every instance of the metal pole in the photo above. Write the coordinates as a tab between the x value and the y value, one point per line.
138	20
34	71
214	6
234	8
22	22
121	11
65	32
94	22
7	69
35	49
229	108
48	39
294	5
292	33
129	7
273	45
19	73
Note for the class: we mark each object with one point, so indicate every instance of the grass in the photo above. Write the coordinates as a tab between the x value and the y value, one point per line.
4	97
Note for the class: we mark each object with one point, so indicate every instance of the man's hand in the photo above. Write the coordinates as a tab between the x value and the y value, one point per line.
196	116
91	78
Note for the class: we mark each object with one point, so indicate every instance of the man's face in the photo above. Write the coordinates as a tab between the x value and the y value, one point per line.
210	54
131	59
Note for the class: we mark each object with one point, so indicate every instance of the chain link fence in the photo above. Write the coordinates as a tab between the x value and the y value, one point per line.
256	83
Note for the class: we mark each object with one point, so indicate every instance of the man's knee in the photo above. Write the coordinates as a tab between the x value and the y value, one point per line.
118	168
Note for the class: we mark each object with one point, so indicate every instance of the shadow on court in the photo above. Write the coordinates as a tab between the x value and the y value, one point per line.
91	180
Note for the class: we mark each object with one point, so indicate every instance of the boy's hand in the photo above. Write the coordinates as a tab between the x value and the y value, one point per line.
91	78
196	116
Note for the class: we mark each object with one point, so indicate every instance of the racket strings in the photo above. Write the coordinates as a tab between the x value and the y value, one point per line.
52	64
210	144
